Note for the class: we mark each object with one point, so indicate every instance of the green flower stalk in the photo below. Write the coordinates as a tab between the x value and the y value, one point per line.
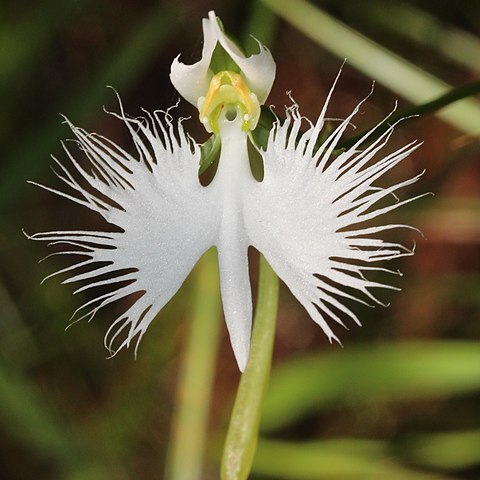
241	442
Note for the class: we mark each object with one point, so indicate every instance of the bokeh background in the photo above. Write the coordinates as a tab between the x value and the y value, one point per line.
400	400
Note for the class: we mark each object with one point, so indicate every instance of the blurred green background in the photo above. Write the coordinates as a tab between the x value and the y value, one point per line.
401	400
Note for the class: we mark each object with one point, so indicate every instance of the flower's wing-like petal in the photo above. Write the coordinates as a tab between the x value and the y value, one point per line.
307	216
258	69
166	217
192	81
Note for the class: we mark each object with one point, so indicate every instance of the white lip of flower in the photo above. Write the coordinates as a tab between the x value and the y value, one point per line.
306	216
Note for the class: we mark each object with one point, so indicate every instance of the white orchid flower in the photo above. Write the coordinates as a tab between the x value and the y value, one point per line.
307	216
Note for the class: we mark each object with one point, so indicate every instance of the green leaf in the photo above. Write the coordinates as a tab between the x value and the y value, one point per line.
379	63
452	450
386	372
352	459
424	29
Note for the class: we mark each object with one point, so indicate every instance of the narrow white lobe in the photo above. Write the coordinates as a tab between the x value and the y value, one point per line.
230	180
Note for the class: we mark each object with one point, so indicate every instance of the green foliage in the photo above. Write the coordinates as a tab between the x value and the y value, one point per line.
397	372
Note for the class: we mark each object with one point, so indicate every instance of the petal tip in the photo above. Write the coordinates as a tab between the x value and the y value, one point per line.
241	356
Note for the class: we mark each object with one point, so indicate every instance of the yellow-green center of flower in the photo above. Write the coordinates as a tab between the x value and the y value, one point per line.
228	93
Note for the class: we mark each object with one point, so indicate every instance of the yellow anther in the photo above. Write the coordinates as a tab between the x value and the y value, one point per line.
228	89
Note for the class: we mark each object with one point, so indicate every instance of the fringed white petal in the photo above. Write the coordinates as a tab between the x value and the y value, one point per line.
167	220
258	69
192	81
307	215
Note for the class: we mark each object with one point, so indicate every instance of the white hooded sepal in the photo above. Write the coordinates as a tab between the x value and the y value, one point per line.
192	81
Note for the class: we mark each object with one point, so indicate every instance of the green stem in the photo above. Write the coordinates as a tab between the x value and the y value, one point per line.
242	433
188	435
